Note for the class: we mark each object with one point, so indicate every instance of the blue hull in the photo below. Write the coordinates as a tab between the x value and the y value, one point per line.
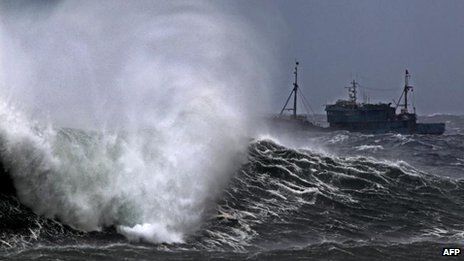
377	118
394	127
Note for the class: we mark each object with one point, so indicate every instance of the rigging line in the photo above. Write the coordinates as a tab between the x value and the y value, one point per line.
399	100
288	99
302	102
310	108
313	115
306	101
307	110
376	89
305	106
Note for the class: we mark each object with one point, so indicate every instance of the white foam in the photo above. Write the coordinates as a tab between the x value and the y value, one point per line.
152	233
182	70
369	147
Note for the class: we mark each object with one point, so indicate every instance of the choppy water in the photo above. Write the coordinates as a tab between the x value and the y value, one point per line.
329	196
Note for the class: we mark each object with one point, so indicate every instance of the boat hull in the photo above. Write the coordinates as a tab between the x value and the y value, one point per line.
401	127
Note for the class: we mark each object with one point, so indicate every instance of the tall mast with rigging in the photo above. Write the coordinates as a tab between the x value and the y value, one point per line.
294	92
405	92
295	88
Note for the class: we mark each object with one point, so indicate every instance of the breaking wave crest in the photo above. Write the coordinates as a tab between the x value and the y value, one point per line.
92	180
169	134
280	198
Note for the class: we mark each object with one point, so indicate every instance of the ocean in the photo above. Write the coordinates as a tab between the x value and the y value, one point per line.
295	196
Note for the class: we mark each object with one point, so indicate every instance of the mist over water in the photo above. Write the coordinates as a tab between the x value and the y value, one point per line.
168	87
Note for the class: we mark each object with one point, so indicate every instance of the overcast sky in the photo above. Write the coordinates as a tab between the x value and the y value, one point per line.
375	41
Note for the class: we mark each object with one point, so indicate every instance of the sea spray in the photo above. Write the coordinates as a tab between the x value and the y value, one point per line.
168	87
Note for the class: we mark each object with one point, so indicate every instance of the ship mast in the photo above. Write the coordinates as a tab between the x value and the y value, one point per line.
294	92
352	91
405	92
295	88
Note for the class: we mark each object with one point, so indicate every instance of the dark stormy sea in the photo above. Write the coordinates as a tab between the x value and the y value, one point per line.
321	196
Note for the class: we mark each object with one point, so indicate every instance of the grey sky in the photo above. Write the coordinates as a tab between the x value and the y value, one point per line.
371	40
377	40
